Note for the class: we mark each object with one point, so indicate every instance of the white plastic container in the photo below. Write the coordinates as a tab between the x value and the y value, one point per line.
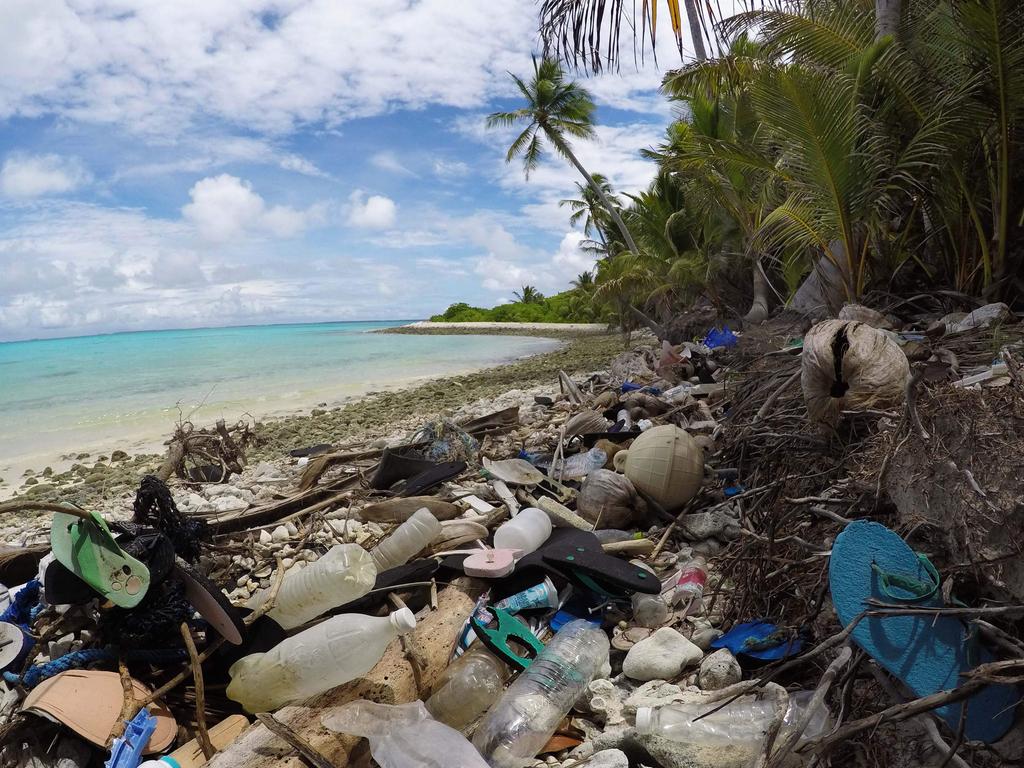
526	531
322	657
408	539
519	725
743	722
344	574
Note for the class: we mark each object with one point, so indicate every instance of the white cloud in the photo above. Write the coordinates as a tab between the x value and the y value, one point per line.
24	176
163	66
226	208
373	212
207	153
451	169
387	160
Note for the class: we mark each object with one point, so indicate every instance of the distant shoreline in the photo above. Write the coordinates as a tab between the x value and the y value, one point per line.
549	330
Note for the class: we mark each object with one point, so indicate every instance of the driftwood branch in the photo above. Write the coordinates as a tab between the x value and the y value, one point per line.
202	732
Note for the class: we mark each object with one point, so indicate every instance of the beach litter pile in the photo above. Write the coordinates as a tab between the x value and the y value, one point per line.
733	551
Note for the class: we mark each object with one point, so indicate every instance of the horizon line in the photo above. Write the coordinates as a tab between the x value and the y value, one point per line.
203	328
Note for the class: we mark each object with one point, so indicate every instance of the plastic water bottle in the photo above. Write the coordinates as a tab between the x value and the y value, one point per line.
579	465
467	688
344	574
522	721
320	658
743	722
407	540
690	587
650	611
526	531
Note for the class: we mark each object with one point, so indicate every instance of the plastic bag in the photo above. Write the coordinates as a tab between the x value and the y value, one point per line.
850	366
608	500
404	736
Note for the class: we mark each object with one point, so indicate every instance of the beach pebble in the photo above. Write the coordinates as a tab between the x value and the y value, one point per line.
718	671
609	758
229	504
704	634
662	656
293	530
279	534
265	537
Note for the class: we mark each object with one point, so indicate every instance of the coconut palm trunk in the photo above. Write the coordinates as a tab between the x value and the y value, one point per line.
612	210
887	17
695	30
759	306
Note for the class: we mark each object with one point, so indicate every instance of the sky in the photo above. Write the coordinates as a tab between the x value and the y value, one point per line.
223	162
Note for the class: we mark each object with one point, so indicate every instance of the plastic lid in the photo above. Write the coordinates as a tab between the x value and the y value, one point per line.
643	719
403	621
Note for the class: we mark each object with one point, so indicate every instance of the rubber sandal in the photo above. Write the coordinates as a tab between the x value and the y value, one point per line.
928	652
397	466
88	550
433	477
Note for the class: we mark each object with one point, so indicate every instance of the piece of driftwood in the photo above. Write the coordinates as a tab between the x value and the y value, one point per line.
392	681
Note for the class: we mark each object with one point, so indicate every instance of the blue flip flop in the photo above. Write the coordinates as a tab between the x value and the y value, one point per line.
928	653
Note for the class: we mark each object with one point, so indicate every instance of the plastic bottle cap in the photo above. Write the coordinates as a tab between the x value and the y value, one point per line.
403	620
643	719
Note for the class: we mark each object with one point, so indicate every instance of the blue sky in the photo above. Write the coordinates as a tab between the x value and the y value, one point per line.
216	162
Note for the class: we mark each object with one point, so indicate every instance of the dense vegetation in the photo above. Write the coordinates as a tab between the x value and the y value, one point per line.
880	152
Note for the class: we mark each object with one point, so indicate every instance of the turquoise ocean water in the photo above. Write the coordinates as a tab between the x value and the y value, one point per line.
64	395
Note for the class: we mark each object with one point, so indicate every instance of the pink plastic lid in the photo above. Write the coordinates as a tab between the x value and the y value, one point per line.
490	563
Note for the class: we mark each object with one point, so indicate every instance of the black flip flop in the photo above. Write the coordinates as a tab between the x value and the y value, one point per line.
433	477
395	466
313	450
211	602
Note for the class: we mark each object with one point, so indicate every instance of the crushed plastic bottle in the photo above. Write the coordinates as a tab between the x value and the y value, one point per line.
523	720
333	652
344	574
743	722
689	592
404	736
579	465
467	688
408	539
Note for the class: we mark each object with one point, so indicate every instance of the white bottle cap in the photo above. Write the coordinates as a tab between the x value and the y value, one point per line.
643	719
403	621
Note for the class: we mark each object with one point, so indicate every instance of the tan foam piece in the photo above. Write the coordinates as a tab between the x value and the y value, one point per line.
89	703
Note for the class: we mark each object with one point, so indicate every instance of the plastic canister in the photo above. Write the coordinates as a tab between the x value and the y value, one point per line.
525	532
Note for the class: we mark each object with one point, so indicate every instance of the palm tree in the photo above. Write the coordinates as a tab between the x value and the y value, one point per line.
555	110
584	281
589	209
529	295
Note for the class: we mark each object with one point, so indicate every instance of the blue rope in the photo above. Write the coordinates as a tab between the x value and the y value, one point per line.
83	658
21	608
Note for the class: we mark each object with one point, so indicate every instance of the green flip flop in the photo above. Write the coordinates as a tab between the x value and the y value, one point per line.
86	547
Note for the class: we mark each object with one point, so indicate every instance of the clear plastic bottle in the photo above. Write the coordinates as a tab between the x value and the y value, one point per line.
408	539
467	688
320	658
523	720
689	592
743	722
579	465
344	574
650	611
526	531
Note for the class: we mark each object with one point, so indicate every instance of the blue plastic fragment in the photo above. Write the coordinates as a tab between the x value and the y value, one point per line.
562	618
760	640
126	751
720	337
734	490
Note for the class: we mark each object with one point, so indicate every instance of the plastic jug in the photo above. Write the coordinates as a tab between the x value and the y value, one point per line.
743	722
344	574
467	688
522	721
320	658
526	531
408	539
